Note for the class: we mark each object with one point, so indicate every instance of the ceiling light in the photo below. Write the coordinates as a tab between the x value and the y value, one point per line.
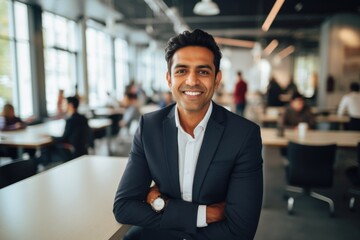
235	42
270	18
271	47
206	8
286	52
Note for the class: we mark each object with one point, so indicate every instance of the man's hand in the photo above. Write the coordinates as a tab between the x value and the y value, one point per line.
153	193
215	212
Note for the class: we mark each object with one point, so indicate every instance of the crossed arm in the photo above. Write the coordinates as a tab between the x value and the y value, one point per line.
214	212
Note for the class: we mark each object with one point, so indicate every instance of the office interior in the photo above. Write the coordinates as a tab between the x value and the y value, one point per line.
95	48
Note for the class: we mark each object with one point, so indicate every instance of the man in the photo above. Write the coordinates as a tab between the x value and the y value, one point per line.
297	112
204	160
240	94
76	137
350	103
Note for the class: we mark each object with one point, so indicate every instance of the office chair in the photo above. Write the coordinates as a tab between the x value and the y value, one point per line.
353	174
16	171
310	166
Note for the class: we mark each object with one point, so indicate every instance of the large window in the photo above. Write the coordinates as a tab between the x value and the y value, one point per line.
60	58
121	66
306	74
100	66
15	73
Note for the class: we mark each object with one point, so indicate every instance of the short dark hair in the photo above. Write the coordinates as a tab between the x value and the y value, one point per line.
354	86
296	95
195	38
74	101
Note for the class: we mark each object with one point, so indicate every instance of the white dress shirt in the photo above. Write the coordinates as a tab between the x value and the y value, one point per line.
350	103
189	149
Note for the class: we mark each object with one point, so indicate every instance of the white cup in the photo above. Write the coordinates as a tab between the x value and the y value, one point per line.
302	127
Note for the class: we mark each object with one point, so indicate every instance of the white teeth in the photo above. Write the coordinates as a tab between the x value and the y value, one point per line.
193	93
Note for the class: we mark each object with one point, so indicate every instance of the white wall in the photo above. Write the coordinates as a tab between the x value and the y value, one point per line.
339	57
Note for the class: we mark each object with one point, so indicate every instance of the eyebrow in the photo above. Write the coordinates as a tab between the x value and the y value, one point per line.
198	67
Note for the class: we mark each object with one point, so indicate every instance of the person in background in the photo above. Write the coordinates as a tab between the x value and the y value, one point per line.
296	112
273	94
76	137
350	104
132	111
10	122
240	94
166	99
60	110
204	160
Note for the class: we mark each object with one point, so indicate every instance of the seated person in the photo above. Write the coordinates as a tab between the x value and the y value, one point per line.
132	111
296	112
10	122
76	137
350	103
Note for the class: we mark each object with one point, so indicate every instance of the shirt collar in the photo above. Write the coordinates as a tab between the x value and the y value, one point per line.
202	123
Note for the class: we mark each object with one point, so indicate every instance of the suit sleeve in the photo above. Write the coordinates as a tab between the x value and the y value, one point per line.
130	205
244	197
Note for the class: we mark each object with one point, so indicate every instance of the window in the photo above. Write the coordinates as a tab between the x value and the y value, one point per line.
60	58
15	53
121	66
306	74
100	66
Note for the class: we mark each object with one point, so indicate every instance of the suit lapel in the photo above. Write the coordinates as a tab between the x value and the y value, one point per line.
170	144
212	137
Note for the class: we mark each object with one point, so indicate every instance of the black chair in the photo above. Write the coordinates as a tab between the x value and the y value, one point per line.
310	166
16	171
353	174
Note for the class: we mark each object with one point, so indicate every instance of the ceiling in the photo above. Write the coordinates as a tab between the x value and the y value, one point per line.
298	21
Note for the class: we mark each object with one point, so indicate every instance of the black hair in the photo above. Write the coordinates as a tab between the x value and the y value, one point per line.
354	87
195	38
296	95
74	101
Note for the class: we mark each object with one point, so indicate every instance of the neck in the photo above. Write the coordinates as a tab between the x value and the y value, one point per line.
189	120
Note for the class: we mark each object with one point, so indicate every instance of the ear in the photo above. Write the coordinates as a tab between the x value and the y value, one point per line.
168	79
218	79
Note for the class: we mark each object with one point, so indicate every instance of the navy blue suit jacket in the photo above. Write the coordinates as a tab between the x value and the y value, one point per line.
229	169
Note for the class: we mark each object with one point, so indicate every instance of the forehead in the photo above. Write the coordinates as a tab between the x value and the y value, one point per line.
193	55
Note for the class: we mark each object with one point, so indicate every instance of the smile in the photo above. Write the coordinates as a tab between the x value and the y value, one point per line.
192	93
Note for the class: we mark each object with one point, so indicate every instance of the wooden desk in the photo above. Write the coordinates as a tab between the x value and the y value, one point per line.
71	201
313	137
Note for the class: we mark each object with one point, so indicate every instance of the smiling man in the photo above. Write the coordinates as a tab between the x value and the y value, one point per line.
204	162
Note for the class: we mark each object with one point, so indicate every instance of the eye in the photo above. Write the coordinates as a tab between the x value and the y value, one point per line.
204	72
180	71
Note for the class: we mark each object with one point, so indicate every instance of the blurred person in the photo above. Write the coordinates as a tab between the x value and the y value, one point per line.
240	94
166	100
206	187
76	137
60	109
297	112
274	93
350	104
132	111
10	122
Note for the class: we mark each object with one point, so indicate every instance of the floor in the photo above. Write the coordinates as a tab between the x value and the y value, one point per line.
311	219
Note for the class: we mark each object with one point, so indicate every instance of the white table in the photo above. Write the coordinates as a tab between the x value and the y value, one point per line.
341	138
71	201
37	136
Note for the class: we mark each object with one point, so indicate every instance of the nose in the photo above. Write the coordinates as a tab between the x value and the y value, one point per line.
192	79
